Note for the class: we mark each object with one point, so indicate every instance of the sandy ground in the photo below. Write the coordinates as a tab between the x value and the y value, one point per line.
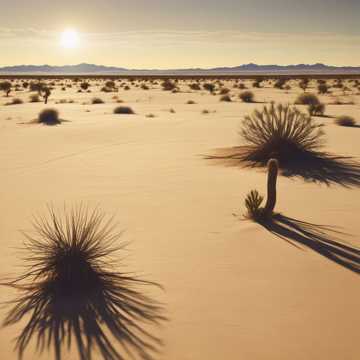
233	290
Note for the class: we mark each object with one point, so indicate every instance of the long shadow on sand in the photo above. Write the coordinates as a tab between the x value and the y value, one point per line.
319	238
318	167
114	312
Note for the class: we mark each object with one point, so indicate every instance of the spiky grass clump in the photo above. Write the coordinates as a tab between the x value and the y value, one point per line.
253	203
307	99
345	120
72	293
247	96
279	132
49	117
126	110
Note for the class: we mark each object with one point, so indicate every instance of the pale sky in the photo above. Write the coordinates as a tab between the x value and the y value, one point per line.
180	34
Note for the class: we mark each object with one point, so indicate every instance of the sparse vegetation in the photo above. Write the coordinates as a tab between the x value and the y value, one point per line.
345	121
307	99
247	96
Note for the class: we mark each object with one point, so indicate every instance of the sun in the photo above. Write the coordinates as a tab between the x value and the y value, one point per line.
69	39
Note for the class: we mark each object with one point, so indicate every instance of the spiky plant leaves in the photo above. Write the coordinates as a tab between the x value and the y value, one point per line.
71	292
280	132
253	202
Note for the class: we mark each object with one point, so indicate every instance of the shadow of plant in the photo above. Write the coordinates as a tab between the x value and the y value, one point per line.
319	238
318	167
72	294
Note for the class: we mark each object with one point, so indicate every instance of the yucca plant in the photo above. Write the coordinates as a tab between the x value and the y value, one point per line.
72	293
280	132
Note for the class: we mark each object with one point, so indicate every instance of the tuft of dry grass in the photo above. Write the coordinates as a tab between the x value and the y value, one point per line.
97	100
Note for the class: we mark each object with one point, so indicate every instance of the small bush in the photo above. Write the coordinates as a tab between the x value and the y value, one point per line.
225	98
168	85
323	88
209	87
97	100
195	86
345	121
307	99
224	91
316	109
49	117
191	102
247	96
124	110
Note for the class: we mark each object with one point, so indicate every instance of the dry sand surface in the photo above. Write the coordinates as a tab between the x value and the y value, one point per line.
232	289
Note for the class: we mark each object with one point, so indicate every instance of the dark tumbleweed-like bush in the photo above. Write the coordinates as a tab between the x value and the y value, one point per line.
280	132
72	294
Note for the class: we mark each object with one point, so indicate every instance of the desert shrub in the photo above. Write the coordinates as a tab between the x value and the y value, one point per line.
36	86
195	86
110	84
25	84
127	87
242	86
105	89
209	87
144	87
49	117
123	110
307	99
6	87
150	116
71	286
15	101
205	112
323	88
304	83
345	121
191	102
279	83
247	96
225	98
84	85
97	100
172	111
224	91
279	132
168	85
316	109
33	98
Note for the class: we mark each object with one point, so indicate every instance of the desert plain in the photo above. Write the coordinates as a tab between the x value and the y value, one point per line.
232	288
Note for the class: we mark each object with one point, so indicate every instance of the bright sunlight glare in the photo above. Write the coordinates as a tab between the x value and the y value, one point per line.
69	39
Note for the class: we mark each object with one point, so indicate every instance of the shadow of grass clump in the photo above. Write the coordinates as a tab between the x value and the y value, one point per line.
294	139
72	294
319	238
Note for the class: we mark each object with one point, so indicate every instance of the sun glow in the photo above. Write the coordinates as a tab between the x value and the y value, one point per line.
69	39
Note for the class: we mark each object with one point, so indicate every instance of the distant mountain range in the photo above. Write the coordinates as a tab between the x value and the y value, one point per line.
91	69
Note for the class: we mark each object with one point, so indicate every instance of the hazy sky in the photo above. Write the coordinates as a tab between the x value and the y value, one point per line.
170	33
